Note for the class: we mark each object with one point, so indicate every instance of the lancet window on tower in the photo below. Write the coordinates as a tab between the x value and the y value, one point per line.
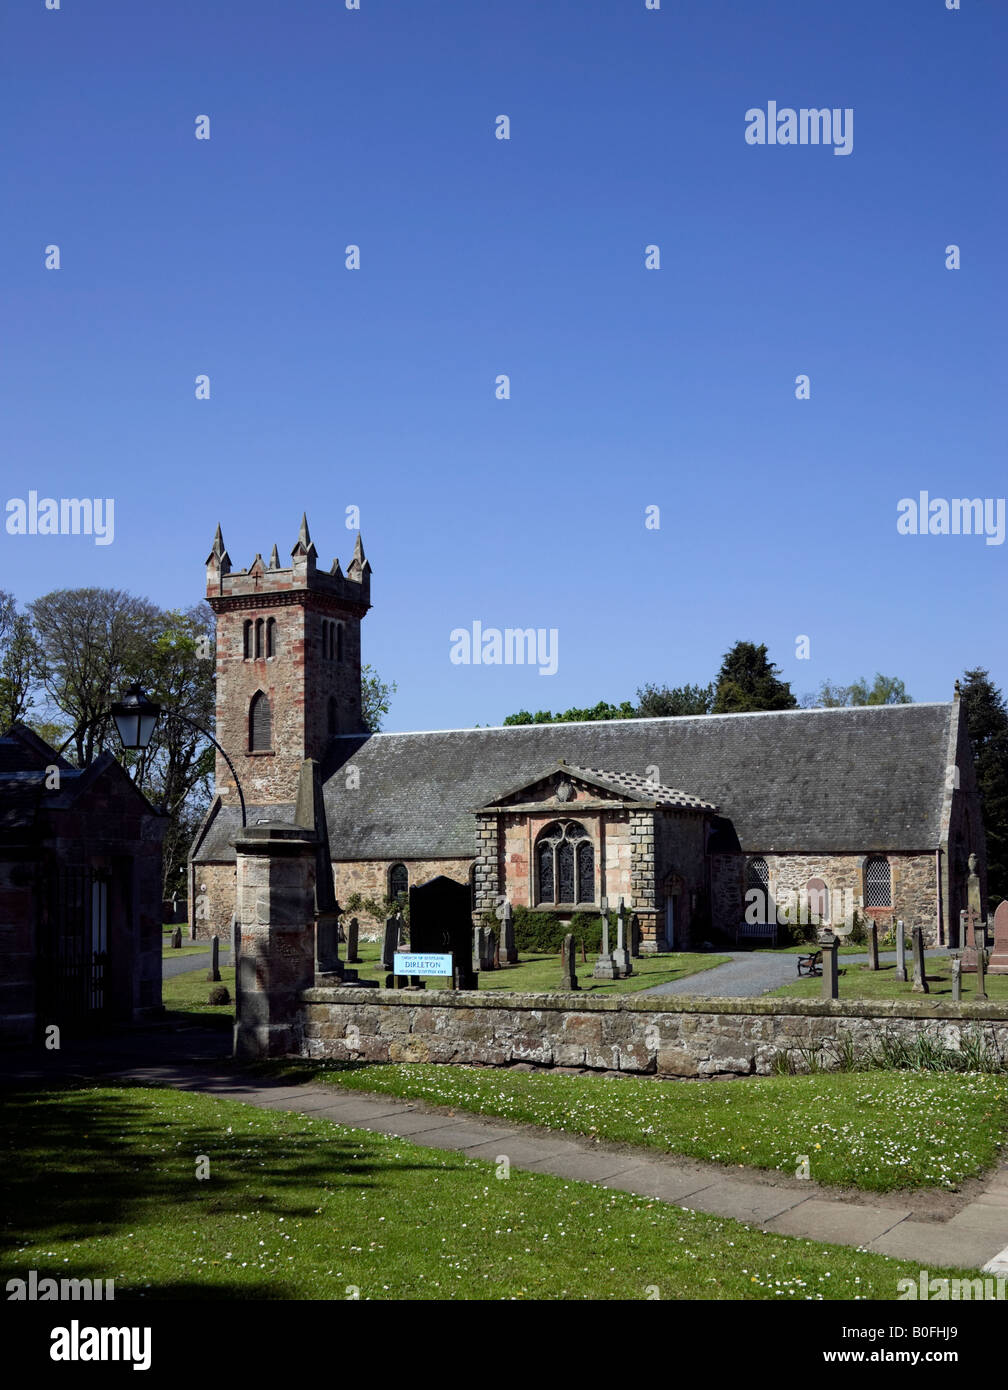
260	723
271	638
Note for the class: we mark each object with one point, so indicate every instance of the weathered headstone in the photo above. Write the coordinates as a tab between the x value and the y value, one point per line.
974	938
310	815
390	941
920	980
352	935
621	956
440	914
509	951
213	973
956	978
973	890
488	939
830	966
635	936
235	939
981	973
568	964
176	939
901	966
605	966
873	945
999	956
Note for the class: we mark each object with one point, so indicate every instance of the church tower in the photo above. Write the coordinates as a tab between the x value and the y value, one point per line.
288	664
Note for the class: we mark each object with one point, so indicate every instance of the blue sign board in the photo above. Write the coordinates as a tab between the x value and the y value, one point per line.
422	963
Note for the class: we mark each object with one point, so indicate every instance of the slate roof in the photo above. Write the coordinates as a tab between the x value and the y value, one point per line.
627	786
814	781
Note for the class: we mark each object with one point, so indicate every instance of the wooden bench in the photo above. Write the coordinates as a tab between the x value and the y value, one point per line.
757	931
812	963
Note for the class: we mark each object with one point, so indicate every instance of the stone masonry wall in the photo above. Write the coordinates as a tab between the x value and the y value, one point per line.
914	885
667	1036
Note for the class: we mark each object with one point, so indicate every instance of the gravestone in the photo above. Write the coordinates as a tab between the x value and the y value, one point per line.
310	816
352	935
509	951
873	946
999	956
830	966
176	939
956	978
440	913
568	964
635	936
920	980
974	938
981	972
390	941
235	938
621	956
901	968
488	948
213	974
605	966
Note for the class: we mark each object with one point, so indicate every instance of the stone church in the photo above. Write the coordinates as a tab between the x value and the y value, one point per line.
692	821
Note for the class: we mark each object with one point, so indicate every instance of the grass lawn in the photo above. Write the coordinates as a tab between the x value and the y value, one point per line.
538	973
879	1131
188	994
191	948
807	947
101	1183
858	982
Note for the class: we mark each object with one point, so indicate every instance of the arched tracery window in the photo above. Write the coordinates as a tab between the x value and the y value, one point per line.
398	881
260	723
878	883
271	638
565	864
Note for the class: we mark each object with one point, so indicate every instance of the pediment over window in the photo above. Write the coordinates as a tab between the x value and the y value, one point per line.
567	786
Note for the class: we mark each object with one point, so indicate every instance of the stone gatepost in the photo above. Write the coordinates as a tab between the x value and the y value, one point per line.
276	915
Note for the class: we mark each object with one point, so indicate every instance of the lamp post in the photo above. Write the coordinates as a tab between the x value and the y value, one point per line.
136	716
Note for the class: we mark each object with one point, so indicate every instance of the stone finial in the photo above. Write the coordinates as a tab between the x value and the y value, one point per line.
958	691
274	562
356	566
335	570
218	555
304	544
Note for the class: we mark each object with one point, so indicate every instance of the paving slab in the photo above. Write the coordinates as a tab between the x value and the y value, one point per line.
462	1137
525	1150
999	1264
662	1181
588	1167
836	1223
982	1218
931	1244
745	1201
412	1123
344	1112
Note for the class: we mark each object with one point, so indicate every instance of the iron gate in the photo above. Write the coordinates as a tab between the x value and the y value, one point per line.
74	946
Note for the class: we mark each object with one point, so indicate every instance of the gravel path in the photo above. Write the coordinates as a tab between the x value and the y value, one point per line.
755	972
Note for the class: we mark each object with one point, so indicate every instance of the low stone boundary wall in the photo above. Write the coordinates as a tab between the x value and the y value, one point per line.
667	1036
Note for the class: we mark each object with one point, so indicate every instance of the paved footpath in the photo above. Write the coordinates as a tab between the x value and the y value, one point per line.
757	972
971	1234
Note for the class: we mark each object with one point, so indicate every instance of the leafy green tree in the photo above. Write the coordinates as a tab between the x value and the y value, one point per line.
748	681
884	690
987	717
658	701
376	697
603	710
18	662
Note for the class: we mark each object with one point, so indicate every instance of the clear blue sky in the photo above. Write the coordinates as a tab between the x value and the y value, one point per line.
629	387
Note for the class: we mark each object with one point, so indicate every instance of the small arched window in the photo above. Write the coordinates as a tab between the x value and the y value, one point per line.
565	864
332	720
247	640
878	883
398	881
260	723
339	641
271	638
817	901
258	638
758	879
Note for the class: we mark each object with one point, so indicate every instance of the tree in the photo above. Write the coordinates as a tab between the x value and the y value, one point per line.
603	710
376	697
18	662
987	718
884	690
749	681
92	643
658	701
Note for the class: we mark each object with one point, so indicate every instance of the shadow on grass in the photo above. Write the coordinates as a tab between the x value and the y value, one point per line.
78	1165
